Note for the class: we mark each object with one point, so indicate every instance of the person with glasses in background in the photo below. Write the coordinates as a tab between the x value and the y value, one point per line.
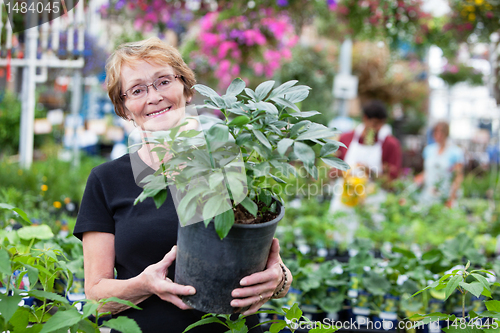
150	84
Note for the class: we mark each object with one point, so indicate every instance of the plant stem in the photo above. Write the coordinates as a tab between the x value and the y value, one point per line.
463	306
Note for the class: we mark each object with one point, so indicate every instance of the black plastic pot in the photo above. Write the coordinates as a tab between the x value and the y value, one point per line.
215	267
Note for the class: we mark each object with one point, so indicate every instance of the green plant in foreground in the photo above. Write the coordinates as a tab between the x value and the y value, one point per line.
293	319
464	281
24	253
261	140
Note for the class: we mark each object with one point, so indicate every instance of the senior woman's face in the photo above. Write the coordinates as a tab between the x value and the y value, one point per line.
158	109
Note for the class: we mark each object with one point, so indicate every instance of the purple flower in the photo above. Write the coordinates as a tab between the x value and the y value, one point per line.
119	4
282	3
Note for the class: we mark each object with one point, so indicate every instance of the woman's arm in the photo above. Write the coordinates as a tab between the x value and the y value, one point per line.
457	182
98	258
264	283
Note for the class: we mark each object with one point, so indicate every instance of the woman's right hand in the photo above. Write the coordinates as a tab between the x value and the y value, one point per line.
156	281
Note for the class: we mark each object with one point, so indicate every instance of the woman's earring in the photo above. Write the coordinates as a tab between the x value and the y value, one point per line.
133	122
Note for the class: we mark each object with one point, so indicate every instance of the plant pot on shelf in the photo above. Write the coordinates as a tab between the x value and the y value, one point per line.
214	267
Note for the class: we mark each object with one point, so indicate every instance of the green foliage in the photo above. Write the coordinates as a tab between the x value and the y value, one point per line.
45	189
10	113
465	282
32	251
265	126
292	320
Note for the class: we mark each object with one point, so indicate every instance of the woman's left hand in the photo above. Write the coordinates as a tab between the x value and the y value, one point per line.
258	288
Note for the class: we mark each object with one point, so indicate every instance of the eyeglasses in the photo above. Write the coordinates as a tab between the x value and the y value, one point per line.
160	84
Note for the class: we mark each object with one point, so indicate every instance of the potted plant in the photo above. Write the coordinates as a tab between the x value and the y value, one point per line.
225	178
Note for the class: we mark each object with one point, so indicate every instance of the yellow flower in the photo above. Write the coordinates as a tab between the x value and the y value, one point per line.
20	172
44	187
479	2
488	6
67	200
57	204
472	17
471	8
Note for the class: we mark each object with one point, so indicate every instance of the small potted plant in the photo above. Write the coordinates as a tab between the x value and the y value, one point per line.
225	177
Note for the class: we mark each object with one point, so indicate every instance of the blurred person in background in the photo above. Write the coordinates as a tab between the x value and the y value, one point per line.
443	168
371	152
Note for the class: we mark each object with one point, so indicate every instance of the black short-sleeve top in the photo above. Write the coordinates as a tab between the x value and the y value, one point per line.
143	235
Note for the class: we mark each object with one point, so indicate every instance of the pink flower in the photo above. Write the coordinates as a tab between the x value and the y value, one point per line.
453	69
151	17
209	39
235	70
258	68
489	15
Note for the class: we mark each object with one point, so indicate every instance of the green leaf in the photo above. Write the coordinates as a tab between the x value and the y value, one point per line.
328	149
250	206
236	87
305	114
204	321
5	262
160	198
19	211
121	301
239	121
251	94
294	312
90	308
212	207
452	285
492	305
262	138
482	280
277	327
204	90
218	133
475	288
285	103
9	305
224	222
48	295
20	319
123	324
317	134
42	231
277	179
283	146
62	319
297	94
87	327
296	128
336	163
282	89
304	153
243	138
265	106
263	89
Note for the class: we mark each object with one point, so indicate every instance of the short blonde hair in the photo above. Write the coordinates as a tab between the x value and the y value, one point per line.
152	50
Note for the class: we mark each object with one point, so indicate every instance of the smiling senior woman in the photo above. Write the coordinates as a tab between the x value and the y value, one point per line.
149	84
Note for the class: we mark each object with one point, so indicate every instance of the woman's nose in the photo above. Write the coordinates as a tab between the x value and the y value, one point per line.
154	95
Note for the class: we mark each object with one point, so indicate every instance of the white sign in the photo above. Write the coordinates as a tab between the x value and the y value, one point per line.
345	86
